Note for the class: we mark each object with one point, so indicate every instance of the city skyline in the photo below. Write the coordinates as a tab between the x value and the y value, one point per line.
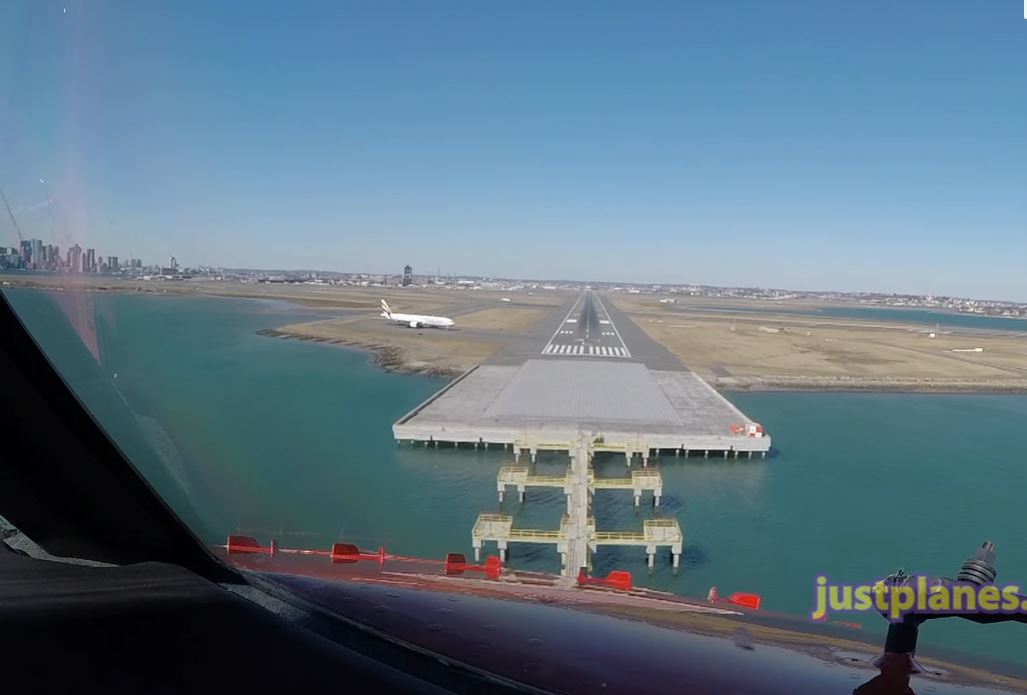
746	146
13	258
34	254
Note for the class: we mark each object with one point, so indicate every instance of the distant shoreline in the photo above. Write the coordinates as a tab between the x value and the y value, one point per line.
393	357
868	385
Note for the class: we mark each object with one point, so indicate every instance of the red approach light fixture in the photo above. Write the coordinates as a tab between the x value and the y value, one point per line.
245	544
339	553
616	579
456	565
744	600
739	598
347	552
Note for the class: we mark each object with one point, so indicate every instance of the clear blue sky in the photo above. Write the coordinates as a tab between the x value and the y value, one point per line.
871	145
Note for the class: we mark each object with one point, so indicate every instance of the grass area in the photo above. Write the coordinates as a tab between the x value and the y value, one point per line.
768	349
502	319
426	351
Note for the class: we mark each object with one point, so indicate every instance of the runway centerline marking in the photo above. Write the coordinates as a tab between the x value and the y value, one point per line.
566	319
560	343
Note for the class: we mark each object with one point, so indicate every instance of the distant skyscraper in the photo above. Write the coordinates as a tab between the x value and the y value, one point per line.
112	264
75	259
26	252
35	254
89	263
408	276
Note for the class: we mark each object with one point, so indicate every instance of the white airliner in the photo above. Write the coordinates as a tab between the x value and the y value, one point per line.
415	320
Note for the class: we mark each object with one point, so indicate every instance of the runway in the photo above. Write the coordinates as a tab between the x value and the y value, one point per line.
586	325
587	331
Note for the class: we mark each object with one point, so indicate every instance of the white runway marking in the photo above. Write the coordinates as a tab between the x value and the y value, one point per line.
585	351
566	319
572	348
624	348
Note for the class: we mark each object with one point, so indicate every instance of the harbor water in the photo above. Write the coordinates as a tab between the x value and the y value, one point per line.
290	439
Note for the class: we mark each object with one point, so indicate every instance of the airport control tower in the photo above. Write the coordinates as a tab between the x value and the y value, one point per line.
408	276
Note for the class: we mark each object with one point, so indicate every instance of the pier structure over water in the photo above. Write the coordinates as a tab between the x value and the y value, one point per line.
521	478
543	404
582	406
577	538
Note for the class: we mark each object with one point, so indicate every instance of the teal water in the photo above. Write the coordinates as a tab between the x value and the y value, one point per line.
291	439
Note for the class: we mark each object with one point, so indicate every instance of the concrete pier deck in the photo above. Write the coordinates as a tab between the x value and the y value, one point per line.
623	406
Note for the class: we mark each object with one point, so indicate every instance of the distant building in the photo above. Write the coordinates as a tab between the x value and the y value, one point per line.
75	259
112	264
408	276
37	254
89	263
11	257
26	252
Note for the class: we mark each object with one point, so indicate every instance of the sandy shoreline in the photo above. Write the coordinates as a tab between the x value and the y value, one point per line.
388	358
866	385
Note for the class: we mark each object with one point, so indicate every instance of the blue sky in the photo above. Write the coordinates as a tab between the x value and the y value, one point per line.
872	145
